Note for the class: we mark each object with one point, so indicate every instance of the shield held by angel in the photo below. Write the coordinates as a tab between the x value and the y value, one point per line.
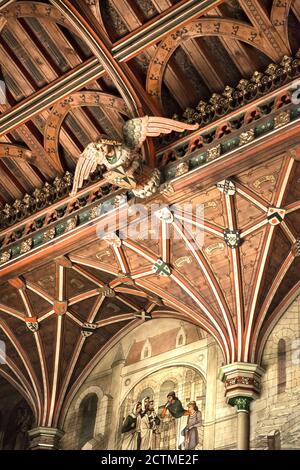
123	161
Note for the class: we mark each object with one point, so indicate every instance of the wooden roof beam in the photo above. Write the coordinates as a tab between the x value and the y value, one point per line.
197	56
82	19
5	3
296	9
50	94
236	50
204	66
260	19
90	70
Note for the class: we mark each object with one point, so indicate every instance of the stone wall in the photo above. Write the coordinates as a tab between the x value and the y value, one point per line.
280	411
114	380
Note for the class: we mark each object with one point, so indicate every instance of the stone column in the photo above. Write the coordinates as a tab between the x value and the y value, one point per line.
211	395
243	420
115	392
45	438
242	385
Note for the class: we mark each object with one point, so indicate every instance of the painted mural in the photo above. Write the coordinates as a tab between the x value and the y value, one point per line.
154	417
159	389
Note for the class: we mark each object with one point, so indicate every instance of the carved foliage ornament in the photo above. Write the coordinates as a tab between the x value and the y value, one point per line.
246	90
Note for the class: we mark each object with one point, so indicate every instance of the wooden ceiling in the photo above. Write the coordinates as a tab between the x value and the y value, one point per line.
107	288
59	318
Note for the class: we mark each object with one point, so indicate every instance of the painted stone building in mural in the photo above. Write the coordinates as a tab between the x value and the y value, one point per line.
149	224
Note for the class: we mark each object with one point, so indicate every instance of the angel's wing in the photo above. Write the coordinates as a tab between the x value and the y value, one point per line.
86	164
136	130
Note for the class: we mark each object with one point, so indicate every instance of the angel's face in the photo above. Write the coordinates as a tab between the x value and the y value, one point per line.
107	149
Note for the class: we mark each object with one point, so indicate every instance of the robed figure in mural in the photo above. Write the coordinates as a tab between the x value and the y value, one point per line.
177	411
190	432
149	427
174	406
131	428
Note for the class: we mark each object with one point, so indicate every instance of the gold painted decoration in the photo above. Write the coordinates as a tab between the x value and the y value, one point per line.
179	262
168	189
49	234
5	256
103	254
26	246
210	249
263	179
213	153
246	137
181	169
281	119
95	212
15	152
71	224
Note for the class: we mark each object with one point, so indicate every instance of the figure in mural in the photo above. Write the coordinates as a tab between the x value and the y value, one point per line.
174	406
176	410
149	428
145	405
190	432
131	428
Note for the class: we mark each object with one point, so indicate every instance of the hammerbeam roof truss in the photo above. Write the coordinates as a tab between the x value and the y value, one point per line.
74	70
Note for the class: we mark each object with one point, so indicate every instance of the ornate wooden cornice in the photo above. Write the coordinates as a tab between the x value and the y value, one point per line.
245	92
225	135
71	213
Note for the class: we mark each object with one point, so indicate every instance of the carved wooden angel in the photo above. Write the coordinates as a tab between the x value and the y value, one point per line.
123	160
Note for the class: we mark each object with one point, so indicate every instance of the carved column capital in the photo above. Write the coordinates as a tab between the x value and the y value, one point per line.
241	403
241	379
242	385
45	438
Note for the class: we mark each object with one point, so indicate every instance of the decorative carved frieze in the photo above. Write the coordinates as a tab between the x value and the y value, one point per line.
246	91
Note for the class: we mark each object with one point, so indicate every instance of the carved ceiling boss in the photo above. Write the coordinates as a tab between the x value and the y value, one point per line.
123	161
